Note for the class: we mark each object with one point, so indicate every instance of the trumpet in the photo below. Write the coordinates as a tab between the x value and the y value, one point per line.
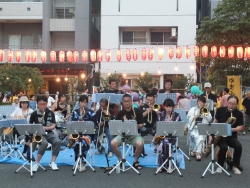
204	111
155	107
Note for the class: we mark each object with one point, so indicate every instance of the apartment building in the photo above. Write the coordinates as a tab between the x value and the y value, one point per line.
46	25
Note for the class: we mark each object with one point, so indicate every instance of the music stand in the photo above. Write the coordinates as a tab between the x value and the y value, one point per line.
12	123
169	129
80	128
162	96
30	130
215	129
123	128
4	124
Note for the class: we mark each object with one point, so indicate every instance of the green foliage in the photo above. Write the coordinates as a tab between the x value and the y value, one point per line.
145	80
15	78
71	84
230	25
105	81
183	82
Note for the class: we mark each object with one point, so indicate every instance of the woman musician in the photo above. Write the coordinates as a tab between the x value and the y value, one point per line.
61	106
167	115
83	114
24	112
195	116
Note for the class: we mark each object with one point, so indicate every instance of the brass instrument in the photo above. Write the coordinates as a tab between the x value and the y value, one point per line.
125	118
155	107
204	111
72	139
83	114
231	120
37	138
106	116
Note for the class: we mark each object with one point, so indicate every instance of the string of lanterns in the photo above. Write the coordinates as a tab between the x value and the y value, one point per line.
73	56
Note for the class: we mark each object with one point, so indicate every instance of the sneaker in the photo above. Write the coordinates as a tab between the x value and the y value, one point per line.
98	152
244	133
110	154
219	170
236	171
35	167
53	166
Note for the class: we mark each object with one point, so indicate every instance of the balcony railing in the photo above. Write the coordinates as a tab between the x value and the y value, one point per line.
63	9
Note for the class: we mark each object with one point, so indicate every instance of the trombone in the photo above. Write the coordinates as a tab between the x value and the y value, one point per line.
156	107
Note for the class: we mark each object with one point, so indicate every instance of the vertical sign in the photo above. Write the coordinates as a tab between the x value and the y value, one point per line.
234	85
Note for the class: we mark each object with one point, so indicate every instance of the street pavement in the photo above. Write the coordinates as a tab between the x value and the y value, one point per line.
191	175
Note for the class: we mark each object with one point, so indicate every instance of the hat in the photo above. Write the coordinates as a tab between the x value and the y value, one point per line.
23	98
207	85
126	88
135	96
189	95
15	98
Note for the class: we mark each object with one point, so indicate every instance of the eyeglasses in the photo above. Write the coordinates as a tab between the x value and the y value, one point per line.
42	104
232	104
24	102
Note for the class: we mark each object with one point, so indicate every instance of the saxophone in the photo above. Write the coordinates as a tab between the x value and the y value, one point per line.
134	117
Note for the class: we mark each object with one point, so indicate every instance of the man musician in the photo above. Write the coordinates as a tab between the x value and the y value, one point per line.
46	117
129	113
100	117
222	115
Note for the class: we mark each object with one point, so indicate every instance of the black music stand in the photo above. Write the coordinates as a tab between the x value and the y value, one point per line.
215	129
12	123
123	128
4	124
30	130
80	128
169	129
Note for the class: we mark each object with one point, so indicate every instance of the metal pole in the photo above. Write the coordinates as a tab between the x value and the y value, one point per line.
200	68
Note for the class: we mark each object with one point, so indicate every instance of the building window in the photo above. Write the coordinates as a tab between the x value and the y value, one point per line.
1	8
28	8
18	41
134	37
162	38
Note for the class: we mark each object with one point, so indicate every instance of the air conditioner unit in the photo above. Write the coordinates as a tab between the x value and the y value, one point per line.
173	32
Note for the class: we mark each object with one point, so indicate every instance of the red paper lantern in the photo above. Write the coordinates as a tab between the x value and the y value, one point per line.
43	56
84	56
143	54
119	55
75	56
1	55
150	54
99	56
10	56
107	55
61	57
160	53
178	52
93	56
33	56
69	56
27	56
222	51
204	51
53	56
231	52
240	52
135	54
128	55
187	52
170	52
214	51
18	56
196	51
247	52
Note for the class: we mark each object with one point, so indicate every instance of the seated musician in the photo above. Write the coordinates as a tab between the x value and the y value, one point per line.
223	115
195	116
129	113
83	114
23	111
101	123
46	117
61	106
167	115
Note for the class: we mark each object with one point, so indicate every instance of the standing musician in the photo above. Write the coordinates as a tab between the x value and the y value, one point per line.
46	117
23	111
233	116
82	114
103	115
168	87
129	113
197	114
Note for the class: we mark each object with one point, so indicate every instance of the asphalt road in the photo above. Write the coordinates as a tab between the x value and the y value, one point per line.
191	175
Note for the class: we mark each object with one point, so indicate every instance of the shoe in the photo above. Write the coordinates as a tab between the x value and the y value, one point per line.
98	152
244	133
219	170
53	166
236	171
110	154
24	155
83	167
35	167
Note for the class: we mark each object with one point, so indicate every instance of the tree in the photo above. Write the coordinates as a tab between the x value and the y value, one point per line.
183	82
146	80
230	25
118	77
16	78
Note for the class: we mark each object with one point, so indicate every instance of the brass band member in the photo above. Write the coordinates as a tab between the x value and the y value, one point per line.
168	87
61	106
46	117
83	114
128	113
195	116
101	113
222	116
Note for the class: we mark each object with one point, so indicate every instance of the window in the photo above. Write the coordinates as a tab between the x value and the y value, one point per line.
162	38
134	37
18	41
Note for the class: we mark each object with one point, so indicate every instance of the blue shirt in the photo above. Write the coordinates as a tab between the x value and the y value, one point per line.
32	105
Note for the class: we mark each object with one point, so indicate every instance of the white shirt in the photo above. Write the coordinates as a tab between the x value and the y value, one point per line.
50	101
18	113
16	105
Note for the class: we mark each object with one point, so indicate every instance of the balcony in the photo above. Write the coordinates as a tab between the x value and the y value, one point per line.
62	25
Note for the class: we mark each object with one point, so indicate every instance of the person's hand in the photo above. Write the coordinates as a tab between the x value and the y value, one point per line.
150	109
101	123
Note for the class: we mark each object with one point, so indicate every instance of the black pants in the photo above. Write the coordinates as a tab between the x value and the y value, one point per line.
233	143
